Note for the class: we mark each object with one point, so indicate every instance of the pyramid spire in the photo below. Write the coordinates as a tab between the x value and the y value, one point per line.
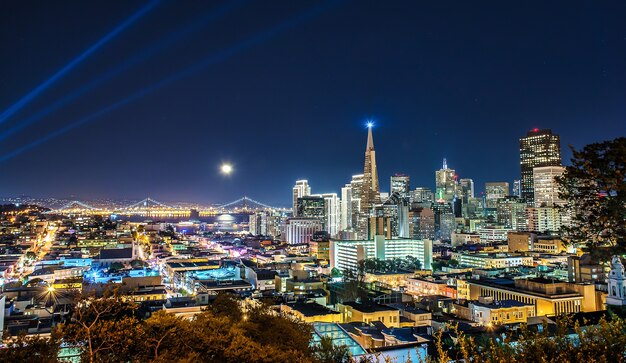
370	192
370	138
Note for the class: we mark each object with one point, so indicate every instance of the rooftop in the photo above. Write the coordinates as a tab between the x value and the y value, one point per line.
497	304
116	253
369	308
311	309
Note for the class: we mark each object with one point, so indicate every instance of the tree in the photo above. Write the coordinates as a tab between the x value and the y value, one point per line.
370	265
226	304
413	263
327	352
163	336
594	189
106	326
115	266
31	349
354	283
603	342
439	264
138	264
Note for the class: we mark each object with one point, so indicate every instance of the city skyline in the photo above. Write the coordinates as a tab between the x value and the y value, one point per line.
437	82
382	187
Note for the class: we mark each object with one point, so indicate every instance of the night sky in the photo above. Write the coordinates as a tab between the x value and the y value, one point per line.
282	90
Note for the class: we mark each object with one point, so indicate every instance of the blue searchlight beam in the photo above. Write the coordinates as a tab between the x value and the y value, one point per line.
68	67
138	58
213	59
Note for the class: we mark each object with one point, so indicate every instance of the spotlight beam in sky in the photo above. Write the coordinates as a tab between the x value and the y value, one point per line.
138	58
68	67
213	59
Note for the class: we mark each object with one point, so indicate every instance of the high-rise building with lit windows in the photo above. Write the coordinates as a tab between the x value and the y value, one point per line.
346	254
332	212
495	191
301	189
445	182
401	184
511	213
517	188
311	206
538	148
345	222
467	188
300	230
356	186
422	195
546	190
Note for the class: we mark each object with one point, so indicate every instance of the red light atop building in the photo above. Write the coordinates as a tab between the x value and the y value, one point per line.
535	129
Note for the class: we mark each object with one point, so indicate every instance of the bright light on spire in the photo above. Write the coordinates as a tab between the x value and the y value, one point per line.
370	124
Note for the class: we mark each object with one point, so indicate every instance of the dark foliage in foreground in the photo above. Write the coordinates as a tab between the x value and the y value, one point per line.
594	188
107	329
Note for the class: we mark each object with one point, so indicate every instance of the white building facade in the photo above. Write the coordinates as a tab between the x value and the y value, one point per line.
345	254
301	230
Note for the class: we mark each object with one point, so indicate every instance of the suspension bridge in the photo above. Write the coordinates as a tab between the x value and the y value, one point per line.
154	208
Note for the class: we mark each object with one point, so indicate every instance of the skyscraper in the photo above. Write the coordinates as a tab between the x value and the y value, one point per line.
356	184
467	187
546	191
331	213
400	183
445	181
444	220
517	188
301	189
422	195
370	191
421	223
511	213
346	208
300	230
538	148
495	191
311	206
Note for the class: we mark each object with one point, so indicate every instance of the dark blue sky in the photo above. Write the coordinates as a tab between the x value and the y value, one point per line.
456	79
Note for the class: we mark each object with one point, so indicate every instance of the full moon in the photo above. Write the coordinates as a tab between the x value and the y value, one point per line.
226	169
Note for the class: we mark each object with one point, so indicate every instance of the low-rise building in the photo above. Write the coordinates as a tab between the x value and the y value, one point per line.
320	249
584	269
490	312
311	312
549	297
549	244
520	241
425	286
368	313
492	234
391	280
492	260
